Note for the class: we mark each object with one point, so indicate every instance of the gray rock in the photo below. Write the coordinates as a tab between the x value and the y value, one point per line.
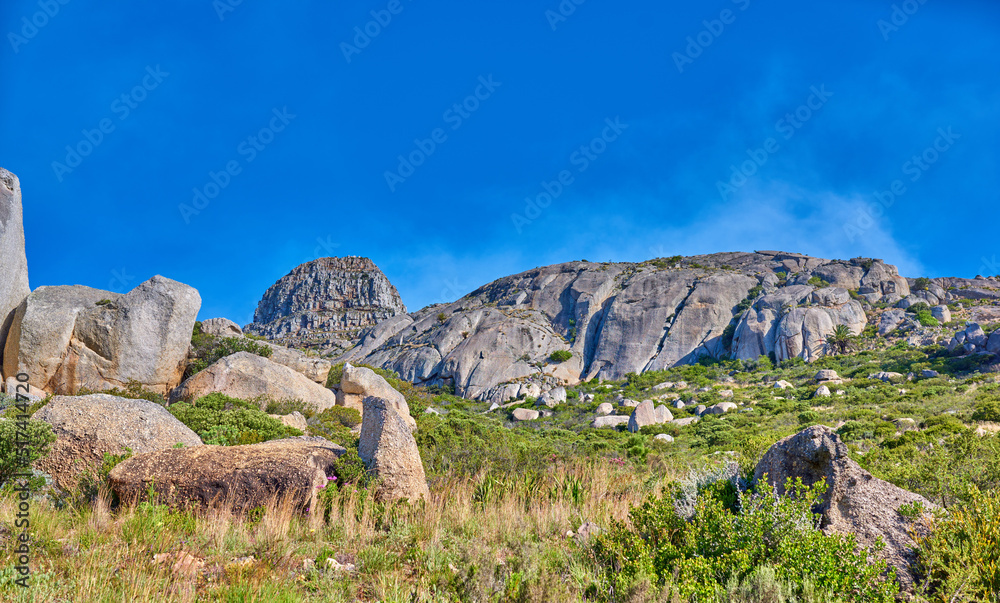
720	409
605	408
905	424
942	313
678	404
388	450
663	415
700	409
822	392
854	502
627	403
782	384
358	383
610	421
315	368
14	267
974	334
662	386
886	376
726	393
72	337
295	420
524	414
221	328
643	415
993	345
827	375
87	427
890	320
248	376
325	303
663	437
929	373
685	421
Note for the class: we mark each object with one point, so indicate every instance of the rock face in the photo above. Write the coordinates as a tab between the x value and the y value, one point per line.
358	382
71	337
13	262
855	501
323	304
86	427
388	449
617	318
314	367
243	476
245	375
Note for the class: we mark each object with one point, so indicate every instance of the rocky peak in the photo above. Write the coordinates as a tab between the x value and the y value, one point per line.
323	304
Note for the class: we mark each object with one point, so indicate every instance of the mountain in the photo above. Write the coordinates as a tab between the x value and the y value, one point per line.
323	304
620	318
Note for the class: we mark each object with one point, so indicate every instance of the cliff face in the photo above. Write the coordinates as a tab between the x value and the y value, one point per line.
618	318
323	304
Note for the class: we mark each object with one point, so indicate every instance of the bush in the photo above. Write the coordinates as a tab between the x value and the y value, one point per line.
694	559
40	436
348	417
219	419
921	284
133	389
337	372
208	349
987	410
960	555
561	356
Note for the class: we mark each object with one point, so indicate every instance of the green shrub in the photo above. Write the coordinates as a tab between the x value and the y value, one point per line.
816	281
560	356
348	417
987	410
222	420
695	559
40	436
133	389
337	371
921	284
208	349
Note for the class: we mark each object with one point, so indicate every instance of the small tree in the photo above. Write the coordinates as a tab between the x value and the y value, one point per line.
842	340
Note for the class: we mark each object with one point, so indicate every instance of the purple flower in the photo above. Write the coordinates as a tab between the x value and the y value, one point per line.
321	486
332	479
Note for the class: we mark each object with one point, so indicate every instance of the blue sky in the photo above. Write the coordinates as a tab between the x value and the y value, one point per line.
294	122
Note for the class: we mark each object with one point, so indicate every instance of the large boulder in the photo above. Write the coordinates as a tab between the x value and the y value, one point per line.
890	320
71	337
248	376
221	328
14	264
243	477
609	421
645	414
314	367
993	344
855	501
358	382
388	450
87	427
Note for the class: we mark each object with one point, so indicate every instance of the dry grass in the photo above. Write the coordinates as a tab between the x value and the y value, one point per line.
476	539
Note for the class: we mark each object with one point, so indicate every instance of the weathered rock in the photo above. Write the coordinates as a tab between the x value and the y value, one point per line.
243	477
13	388
890	320
358	382
295	420
855	502
324	304
720	409
605	408
524	414
782	384
663	415
315	368
905	424
822	392
827	376
14	264
87	427
726	393
941	313
662	386
643	415
388	449
700	409
679	404
928	373
974	334
685	421
627	403
610	421
993	345
71	337
663	437
887	376
221	328
248	376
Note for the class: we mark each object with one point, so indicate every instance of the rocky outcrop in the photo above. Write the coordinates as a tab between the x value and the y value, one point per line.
388	450
322	304
248	376
645	414
71	337
855	502
619	318
13	262
242	477
87	427
312	366
794	321
358	383
221	328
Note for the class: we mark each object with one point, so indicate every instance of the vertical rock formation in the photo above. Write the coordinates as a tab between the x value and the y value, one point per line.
13	263
323	304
